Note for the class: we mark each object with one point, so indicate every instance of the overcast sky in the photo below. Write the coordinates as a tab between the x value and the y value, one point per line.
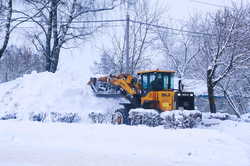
182	9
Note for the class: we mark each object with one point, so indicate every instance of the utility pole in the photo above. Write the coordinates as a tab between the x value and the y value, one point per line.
127	43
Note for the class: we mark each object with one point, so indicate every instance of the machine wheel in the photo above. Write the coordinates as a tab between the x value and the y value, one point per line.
120	117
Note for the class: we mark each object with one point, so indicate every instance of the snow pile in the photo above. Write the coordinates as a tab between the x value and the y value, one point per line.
55	117
143	111
7	116
181	118
220	116
50	97
148	117
169	119
246	117
101	117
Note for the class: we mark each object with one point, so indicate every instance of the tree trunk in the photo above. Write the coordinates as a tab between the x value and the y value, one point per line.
55	57
127	45
7	29
210	91
56	48
48	39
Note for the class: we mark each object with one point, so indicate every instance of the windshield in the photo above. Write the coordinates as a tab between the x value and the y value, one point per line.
157	81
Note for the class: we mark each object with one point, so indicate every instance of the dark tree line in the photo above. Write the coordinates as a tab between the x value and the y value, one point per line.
18	61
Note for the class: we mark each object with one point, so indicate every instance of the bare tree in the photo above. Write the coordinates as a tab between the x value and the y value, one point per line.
140	39
60	22
6	11
109	64
179	51
18	61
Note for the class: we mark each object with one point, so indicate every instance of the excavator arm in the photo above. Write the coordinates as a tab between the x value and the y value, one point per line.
113	86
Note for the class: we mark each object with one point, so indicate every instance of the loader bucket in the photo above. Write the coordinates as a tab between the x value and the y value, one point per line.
104	89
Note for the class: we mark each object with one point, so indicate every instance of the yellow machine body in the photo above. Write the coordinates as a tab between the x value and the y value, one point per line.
160	100
152	89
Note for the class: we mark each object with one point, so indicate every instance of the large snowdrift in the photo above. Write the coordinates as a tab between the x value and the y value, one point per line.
47	92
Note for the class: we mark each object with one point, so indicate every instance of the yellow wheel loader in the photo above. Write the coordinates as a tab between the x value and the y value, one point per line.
150	90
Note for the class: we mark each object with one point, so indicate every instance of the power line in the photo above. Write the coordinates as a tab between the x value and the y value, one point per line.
177	33
210	4
169	28
99	21
84	21
72	27
124	20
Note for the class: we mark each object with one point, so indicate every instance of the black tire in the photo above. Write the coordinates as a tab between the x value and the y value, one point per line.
121	116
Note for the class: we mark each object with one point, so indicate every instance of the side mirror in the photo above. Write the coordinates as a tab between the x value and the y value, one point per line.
180	86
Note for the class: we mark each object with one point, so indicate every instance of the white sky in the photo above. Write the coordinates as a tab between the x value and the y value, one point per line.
182	9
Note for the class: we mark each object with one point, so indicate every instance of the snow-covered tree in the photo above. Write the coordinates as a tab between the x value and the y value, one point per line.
223	48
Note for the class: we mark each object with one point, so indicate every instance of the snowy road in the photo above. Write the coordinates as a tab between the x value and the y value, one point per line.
56	144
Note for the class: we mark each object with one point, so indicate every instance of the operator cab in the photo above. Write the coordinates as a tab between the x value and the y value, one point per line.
156	80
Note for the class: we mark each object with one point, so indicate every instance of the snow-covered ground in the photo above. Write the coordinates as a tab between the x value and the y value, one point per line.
25	143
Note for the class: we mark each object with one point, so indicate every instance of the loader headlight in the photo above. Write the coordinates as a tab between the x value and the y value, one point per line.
191	94
178	94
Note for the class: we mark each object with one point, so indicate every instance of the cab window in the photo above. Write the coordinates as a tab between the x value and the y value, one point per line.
144	81
166	82
151	77
171	81
157	81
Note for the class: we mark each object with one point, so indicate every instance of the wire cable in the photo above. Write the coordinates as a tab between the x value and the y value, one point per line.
210	4
169	28
124	20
